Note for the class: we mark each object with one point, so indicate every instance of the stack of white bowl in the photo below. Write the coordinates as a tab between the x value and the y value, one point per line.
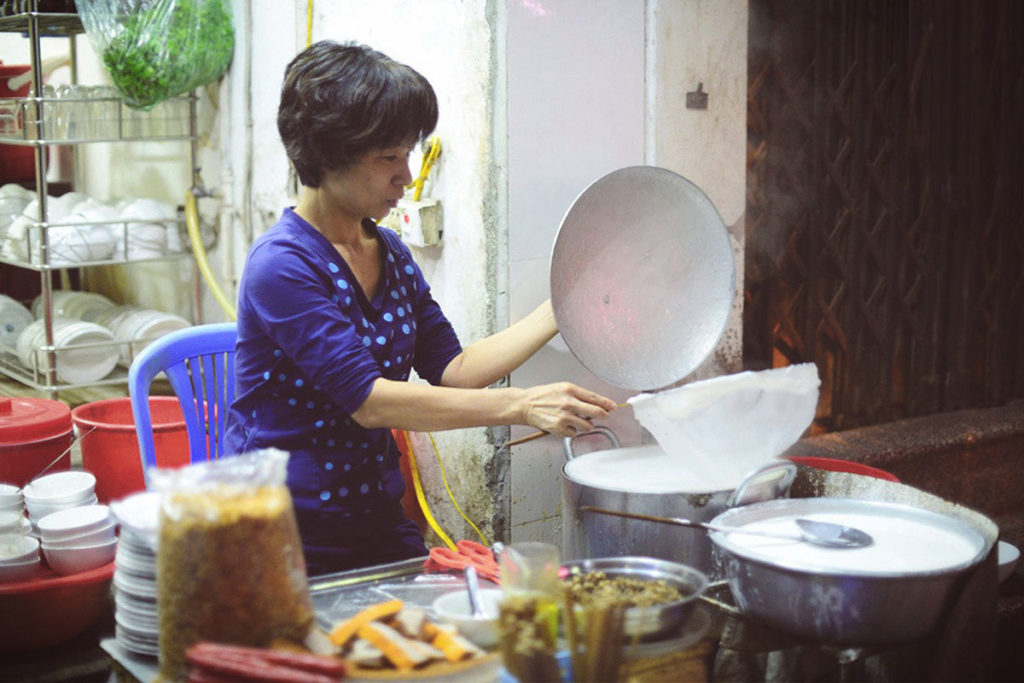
135	588
57	491
19	557
11	498
75	540
86	350
19	550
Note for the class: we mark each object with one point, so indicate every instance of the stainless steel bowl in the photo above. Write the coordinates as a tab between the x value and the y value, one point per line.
658	620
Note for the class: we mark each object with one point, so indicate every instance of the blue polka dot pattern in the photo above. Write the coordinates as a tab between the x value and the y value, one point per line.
342	284
333	267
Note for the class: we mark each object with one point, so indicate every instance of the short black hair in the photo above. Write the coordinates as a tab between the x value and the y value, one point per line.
342	100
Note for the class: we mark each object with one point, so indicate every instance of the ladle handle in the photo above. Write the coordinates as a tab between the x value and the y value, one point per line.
679	521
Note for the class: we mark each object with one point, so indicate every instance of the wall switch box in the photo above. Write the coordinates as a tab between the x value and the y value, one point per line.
418	223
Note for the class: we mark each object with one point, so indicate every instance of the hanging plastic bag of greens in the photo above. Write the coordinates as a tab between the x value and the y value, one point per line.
229	560
158	49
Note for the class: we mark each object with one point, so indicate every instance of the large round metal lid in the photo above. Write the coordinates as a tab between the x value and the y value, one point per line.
642	277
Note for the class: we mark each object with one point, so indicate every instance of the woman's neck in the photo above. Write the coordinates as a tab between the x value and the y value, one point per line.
330	220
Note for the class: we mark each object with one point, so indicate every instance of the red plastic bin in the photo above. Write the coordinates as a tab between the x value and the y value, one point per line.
839	465
110	448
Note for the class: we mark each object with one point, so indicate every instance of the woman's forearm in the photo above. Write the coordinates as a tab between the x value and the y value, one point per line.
484	362
422	407
562	407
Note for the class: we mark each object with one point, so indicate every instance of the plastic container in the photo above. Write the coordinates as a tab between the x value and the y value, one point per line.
52	609
110	448
840	465
34	432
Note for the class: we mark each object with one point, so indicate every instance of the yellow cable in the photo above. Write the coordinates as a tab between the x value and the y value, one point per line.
192	223
447	488
433	152
420	497
309	23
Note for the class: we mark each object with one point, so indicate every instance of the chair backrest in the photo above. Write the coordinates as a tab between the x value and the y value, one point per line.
199	362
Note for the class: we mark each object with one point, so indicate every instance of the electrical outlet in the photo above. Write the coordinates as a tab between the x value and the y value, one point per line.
418	223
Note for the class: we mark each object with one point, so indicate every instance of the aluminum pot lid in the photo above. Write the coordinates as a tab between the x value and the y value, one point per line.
642	277
908	540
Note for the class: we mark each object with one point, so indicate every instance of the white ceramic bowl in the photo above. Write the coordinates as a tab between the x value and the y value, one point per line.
74	522
61	487
18	548
19	571
1009	554
18	507
11	522
454	608
82	558
38	511
11	495
94	537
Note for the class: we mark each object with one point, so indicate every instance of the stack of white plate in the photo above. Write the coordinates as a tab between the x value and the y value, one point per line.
135	328
85	354
13	319
135	588
67	303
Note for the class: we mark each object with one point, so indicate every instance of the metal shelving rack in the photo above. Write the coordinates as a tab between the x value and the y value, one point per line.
34	116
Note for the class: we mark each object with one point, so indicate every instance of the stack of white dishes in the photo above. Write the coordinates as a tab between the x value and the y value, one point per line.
135	588
86	351
146	236
11	498
58	491
135	328
19	557
78	539
19	550
67	303
13	319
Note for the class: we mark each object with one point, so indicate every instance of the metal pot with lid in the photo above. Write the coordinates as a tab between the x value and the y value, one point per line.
896	590
646	480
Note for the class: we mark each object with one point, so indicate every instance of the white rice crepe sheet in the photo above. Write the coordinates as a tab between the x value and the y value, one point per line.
722	428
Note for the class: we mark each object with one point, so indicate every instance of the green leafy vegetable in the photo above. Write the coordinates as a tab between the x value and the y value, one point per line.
168	49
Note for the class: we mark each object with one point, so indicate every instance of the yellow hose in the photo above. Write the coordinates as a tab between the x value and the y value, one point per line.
420	497
194	238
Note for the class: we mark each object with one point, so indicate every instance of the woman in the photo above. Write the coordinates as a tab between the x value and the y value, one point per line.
334	315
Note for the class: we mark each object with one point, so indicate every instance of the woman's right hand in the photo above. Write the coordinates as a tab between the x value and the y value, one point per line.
564	408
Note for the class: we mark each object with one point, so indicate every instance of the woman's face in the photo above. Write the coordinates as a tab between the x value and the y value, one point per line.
372	186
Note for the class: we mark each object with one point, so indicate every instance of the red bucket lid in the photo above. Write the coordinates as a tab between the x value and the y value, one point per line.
32	419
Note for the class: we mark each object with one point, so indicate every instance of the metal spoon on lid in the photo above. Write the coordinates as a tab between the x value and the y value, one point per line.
826	534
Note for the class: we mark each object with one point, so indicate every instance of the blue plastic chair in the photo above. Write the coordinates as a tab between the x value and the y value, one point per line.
199	362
